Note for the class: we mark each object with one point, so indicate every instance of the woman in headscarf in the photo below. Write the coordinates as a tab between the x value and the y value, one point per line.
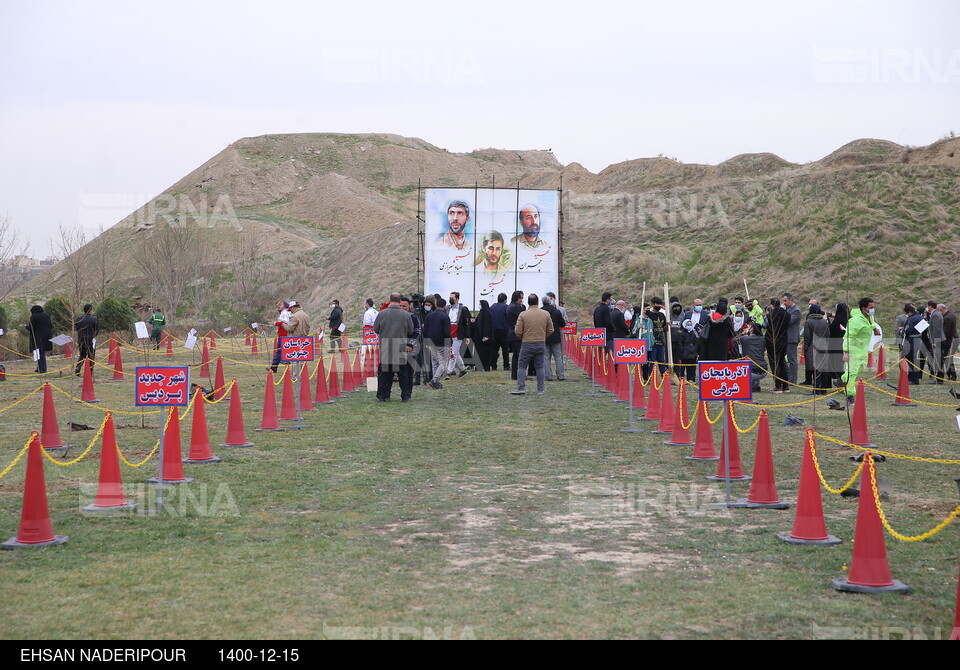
40	330
838	326
719	334
483	336
816	333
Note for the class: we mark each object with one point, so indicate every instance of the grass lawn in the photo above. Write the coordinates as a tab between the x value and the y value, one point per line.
468	513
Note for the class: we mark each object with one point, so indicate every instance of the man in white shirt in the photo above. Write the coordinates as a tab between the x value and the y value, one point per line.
370	315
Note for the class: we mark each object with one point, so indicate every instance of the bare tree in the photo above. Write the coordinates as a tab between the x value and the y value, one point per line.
248	286
171	259
104	266
73	266
11	248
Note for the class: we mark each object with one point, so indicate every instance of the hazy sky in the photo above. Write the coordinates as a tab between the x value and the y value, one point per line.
105	104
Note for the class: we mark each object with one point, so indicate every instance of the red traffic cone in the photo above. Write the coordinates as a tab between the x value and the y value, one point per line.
171	469
110	495
306	399
736	467
288	409
35	528
68	351
169	345
703	449
246	335
803	357
680	437
219	384
320	391
349	385
763	488
808	524
666	408
236	434
903	387
870	358
357	378
213	340
653	405
205	361
112	349
87	394
869	570
623	383
638	400
49	430
200	451
881	362
858	424
253	348
269	420
117	366
334	388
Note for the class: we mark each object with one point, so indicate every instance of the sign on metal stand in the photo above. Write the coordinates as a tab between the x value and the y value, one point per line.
630	352
593	337
725	381
297	350
161	386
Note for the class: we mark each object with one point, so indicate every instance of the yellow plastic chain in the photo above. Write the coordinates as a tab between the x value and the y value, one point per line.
156	447
76	460
888	454
682	398
813	453
17	459
102	409
733	418
706	413
883	517
226	393
914	400
17	402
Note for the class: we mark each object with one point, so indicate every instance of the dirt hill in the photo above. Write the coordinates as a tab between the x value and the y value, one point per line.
326	215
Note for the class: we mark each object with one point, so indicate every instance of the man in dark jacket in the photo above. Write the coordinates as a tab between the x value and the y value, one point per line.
514	311
436	335
40	330
335	320
500	345
950	342
554	341
602	317
395	328
87	329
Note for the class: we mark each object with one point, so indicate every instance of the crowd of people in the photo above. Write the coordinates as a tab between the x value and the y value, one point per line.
835	344
428	340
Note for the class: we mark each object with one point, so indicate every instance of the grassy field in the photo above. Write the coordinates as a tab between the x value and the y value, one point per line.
468	513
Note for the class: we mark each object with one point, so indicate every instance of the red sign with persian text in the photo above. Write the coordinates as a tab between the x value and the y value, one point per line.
296	349
725	380
162	386
593	337
629	351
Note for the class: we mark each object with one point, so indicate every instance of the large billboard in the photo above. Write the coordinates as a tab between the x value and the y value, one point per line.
482	242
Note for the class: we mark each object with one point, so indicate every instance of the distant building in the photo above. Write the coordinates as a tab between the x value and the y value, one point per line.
21	269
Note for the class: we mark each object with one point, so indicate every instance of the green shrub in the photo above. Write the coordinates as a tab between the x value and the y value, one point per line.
61	314
3	318
115	315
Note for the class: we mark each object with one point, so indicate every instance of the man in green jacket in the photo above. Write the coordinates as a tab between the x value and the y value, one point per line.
856	345
157	322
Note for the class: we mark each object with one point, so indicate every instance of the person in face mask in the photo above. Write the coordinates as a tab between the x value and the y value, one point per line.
856	345
686	344
336	321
